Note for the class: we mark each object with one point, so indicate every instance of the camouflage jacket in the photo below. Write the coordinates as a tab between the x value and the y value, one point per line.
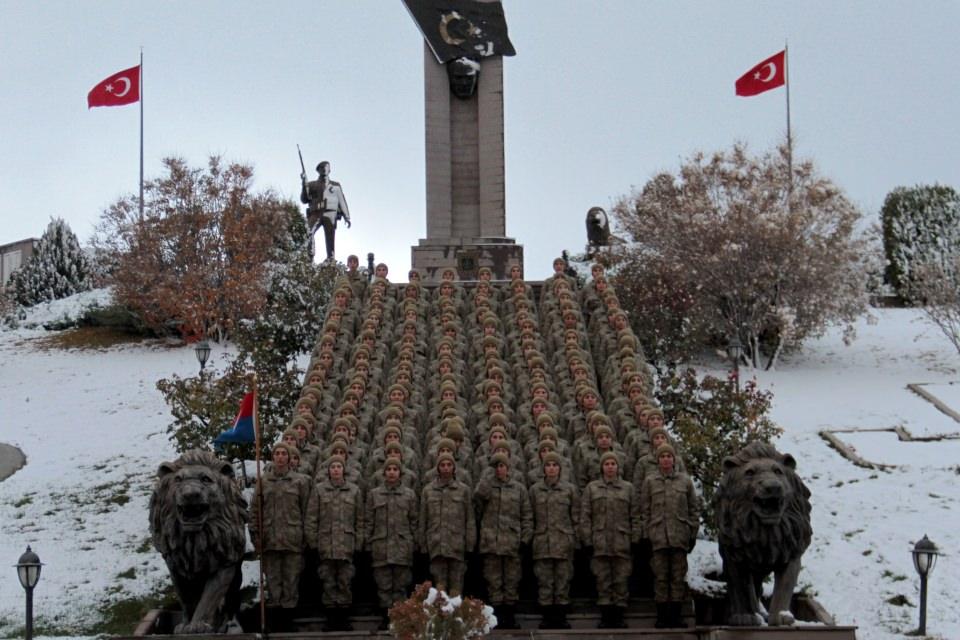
285	503
506	519
390	518
610	517
447	526
670	510
335	520
556	512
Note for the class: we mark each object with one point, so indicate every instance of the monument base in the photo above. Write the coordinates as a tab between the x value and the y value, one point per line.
466	256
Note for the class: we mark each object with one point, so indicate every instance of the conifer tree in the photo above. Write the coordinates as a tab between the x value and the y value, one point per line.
58	268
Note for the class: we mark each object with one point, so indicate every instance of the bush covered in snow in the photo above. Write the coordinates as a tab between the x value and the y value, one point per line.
734	244
57	269
921	229
430	614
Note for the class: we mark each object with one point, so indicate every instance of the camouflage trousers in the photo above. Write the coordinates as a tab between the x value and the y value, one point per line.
553	580
392	580
337	578
282	570
612	574
502	574
669	575
447	574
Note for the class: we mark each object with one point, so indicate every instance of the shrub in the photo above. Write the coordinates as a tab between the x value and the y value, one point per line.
430	614
711	420
754	251
57	269
921	228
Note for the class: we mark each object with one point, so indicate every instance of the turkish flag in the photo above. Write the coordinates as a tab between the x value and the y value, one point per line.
769	74
119	89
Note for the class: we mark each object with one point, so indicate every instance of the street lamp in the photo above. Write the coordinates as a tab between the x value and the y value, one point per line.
735	350
370	266
202	350
924	558
28	570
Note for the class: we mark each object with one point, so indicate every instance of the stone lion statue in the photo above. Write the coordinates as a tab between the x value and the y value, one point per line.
763	520
198	518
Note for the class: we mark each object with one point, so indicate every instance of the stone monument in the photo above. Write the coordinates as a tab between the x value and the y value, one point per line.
465	41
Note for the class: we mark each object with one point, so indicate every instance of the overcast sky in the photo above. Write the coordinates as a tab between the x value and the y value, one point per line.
600	95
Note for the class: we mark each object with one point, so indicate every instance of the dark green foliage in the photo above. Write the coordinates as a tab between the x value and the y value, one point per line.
921	228
57	269
712	420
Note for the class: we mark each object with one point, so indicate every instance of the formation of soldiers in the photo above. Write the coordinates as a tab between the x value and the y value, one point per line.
472	419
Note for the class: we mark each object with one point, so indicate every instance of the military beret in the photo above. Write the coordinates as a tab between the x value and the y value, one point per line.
283	445
393	446
499	458
666	448
609	455
602	430
446	456
553	456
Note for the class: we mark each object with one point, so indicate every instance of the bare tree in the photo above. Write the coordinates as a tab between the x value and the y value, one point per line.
769	256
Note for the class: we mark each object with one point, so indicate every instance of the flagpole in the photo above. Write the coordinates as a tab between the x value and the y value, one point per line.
141	134
259	494
786	81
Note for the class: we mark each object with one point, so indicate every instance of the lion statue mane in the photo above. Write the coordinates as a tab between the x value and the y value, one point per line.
197	519
763	523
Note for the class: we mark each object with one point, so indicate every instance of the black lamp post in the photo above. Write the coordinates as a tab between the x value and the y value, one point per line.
924	558
28	570
735	350
370	266
203	352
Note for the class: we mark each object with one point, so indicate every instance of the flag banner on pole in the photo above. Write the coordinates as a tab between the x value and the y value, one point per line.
242	430
119	89
769	74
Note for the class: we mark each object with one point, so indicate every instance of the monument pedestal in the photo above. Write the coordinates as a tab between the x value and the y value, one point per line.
466	255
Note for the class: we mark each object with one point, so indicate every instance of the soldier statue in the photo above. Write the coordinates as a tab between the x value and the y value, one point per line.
326	205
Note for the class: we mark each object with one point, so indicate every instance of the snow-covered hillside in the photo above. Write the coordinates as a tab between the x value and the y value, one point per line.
92	425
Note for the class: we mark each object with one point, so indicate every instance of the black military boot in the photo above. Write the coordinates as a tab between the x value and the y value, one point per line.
330	620
663	616
604	617
345	624
384	619
505	617
560	621
616	617
546	617
676	616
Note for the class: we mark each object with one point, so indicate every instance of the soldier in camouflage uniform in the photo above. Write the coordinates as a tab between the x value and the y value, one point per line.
610	524
506	522
556	512
391	528
284	496
334	528
447	526
670	510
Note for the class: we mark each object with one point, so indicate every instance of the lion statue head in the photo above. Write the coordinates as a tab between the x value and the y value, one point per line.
198	514
763	508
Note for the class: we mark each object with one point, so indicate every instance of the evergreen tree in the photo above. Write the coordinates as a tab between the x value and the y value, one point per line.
58	268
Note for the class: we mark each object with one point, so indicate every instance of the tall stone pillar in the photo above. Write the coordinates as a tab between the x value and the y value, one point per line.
466	204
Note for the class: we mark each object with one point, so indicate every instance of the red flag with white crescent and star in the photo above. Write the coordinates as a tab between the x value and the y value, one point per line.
769	74
119	89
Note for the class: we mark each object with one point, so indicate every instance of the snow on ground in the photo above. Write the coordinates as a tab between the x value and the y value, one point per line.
92	425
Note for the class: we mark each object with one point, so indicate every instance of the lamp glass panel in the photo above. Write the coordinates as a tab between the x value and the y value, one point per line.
921	561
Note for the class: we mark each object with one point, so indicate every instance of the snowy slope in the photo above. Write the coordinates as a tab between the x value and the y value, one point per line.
93	428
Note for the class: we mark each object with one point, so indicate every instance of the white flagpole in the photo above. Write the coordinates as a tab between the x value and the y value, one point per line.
141	134
786	81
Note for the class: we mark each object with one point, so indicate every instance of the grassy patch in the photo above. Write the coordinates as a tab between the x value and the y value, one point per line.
899	600
88	338
129	574
122	617
895	577
146	546
24	501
